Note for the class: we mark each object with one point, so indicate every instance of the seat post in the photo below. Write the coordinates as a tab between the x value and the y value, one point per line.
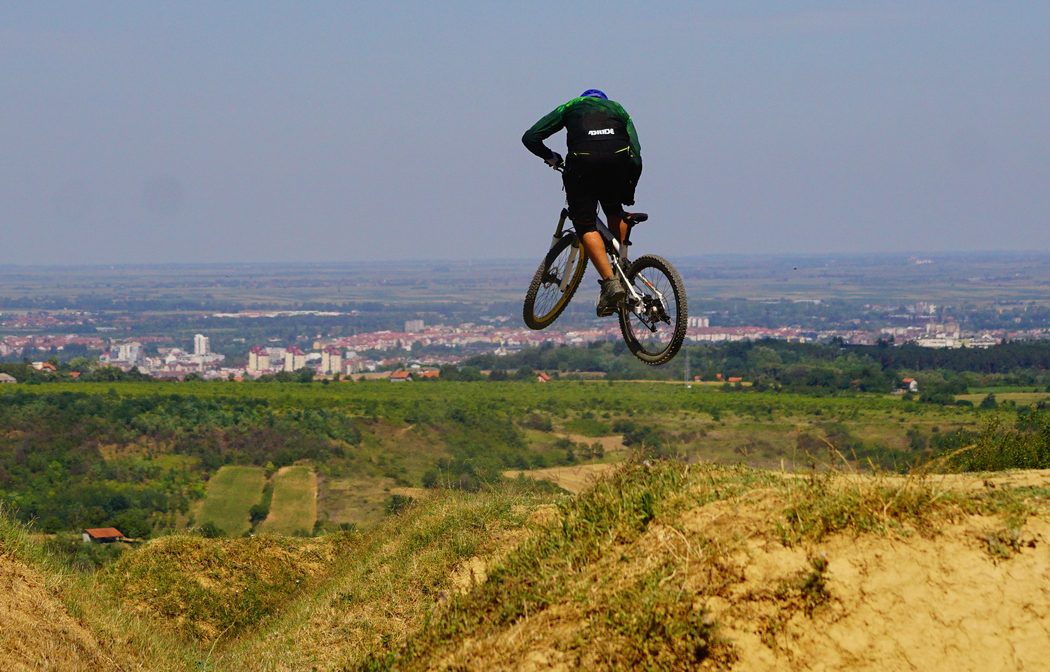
630	228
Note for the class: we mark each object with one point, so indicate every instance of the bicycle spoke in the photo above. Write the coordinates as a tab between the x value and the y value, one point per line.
654	324
554	284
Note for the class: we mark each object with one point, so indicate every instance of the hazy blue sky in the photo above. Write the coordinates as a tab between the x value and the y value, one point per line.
256	131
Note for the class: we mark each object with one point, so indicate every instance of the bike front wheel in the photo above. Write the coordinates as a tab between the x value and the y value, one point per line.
554	282
654	325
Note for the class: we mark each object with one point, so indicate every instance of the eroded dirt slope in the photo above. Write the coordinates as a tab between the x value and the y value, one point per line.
845	573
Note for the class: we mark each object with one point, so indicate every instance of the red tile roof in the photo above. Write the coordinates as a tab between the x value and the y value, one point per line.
104	532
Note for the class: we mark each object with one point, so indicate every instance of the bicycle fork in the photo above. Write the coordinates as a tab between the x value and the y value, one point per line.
619	260
574	250
634	300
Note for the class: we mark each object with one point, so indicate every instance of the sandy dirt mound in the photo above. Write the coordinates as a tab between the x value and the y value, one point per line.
942	603
956	589
36	631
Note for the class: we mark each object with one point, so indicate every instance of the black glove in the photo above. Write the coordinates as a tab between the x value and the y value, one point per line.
555	160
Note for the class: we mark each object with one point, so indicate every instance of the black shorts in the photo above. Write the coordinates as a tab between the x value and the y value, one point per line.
593	179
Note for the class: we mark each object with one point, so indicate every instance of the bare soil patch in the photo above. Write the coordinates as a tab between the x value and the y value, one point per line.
576	478
959	590
939	603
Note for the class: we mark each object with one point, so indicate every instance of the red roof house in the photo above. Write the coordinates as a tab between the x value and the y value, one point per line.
103	535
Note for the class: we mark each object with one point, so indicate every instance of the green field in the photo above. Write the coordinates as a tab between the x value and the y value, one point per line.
1010	394
163	453
294	506
230	494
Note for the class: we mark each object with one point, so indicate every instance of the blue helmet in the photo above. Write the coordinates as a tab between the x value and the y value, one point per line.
594	93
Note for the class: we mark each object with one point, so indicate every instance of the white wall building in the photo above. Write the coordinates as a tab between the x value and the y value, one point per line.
331	360
130	352
201	345
294	359
258	360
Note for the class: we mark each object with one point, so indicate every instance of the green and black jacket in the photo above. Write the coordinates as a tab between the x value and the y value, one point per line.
593	126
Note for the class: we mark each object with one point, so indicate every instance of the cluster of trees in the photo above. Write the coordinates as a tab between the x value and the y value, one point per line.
71	460
482	441
1004	441
803	367
1032	357
88	370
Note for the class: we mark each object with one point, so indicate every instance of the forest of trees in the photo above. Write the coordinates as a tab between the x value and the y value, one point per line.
804	367
52	446
134	453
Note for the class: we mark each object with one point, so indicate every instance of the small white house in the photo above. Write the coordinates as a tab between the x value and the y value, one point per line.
6	378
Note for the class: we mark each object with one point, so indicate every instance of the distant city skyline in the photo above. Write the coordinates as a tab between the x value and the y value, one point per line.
347	132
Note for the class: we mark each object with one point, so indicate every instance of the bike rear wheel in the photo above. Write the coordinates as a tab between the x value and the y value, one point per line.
654	329
554	282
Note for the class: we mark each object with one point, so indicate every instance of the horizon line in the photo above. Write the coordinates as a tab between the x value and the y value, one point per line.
522	260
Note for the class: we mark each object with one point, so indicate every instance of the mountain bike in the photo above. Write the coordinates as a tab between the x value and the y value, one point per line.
653	314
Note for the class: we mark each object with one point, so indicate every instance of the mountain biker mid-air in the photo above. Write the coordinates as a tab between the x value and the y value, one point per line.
603	166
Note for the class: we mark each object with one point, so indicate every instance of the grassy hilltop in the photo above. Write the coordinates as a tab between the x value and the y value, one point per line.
661	566
422	526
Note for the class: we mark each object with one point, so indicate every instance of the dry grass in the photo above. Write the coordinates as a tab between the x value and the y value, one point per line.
55	619
390	586
668	566
202	589
37	632
658	566
360	501
574	479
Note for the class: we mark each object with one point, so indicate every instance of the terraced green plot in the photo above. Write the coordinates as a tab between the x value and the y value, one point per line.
231	492
294	505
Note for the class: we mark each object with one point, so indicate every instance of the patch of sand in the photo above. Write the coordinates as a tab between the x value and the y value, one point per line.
940	603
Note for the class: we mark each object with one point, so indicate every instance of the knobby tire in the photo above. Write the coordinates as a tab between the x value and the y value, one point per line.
635	334
553	259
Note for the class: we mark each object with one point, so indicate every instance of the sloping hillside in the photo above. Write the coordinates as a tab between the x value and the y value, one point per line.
659	566
37	632
668	567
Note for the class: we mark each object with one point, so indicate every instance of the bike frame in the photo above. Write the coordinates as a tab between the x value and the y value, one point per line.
618	258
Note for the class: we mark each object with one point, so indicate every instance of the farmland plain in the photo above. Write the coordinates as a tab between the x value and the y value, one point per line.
230	494
293	509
